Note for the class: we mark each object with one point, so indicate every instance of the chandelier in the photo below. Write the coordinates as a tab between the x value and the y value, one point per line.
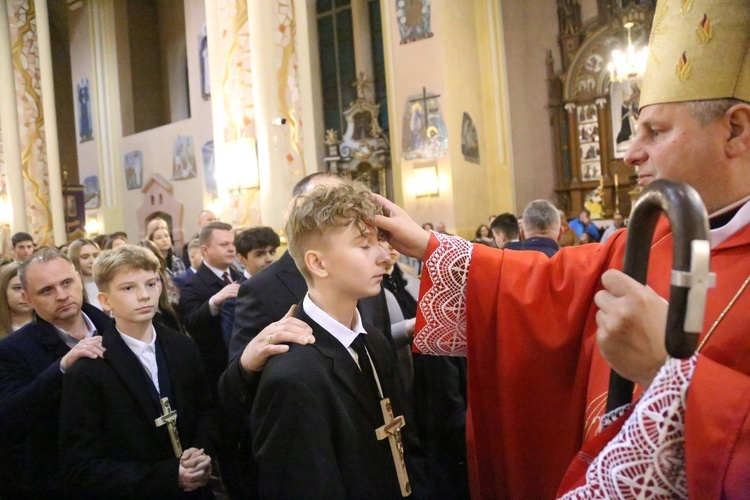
628	64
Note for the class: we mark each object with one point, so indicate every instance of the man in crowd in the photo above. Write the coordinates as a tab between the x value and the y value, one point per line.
537	398
33	362
617	223
583	225
505	231
23	246
205	217
541	227
195	259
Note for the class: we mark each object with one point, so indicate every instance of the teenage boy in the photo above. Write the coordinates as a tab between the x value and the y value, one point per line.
111	441
256	250
318	406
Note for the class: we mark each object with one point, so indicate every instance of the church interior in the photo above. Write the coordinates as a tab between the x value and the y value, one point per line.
117	111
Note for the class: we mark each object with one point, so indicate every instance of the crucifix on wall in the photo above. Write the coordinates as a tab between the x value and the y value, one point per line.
425	109
425	135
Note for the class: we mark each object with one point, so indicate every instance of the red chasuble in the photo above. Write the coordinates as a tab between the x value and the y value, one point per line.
537	383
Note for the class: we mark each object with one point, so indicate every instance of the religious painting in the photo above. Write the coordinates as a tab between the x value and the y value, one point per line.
424	132
203	58
209	169
624	101
595	203
183	166
591	170
134	170
91	193
469	139
413	20
85	127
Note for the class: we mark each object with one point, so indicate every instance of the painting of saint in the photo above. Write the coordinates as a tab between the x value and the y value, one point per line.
134	170
85	131
91	193
424	132
413	20
209	169
469	139
624	102
183	166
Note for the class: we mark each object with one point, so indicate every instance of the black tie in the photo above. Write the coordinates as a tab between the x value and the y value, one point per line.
364	363
227	279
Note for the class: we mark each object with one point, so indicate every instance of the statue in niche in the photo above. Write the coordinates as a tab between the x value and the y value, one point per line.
569	14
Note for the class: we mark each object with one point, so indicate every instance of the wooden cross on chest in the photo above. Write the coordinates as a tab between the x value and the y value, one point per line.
169	418
392	430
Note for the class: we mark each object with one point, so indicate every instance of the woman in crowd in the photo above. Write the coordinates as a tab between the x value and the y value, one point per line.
163	242
14	310
169	295
482	235
83	252
115	240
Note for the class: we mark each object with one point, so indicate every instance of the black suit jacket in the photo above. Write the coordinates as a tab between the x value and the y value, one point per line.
267	296
204	328
30	388
110	445
314	419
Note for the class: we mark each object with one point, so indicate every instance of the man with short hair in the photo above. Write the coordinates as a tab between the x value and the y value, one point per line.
505	231
541	227
617	223
33	361
23	246
195	259
583	225
205	217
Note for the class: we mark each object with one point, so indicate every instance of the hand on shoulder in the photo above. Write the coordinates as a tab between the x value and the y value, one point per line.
272	341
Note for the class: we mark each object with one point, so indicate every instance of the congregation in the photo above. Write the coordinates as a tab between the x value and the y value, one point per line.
377	358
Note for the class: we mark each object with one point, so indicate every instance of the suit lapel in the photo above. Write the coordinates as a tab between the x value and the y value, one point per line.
48	337
344	368
129	370
213	282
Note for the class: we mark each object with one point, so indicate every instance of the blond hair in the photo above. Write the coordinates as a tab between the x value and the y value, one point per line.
324	208
130	257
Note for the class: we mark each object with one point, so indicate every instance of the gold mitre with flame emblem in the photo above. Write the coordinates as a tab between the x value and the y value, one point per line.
698	50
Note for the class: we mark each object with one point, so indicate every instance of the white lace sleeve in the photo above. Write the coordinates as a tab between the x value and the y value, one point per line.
443	305
646	459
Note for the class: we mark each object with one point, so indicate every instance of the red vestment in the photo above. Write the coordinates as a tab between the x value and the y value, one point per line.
536	380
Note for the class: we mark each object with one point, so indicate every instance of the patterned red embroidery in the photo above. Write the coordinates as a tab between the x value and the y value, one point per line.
647	457
444	304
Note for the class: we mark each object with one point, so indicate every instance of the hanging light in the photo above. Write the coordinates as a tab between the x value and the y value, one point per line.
628	64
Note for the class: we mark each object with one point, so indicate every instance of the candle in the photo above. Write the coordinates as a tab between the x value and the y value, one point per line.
601	181
616	183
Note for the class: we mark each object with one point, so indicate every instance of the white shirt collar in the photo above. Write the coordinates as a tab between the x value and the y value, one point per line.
340	332
71	341
219	272
247	274
740	220
138	346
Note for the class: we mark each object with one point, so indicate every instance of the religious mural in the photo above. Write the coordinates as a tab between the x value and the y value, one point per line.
469	139
413	20
588	140
134	169
290	103
25	57
209	169
424	132
85	131
91	193
183	166
236	77
624	102
203	58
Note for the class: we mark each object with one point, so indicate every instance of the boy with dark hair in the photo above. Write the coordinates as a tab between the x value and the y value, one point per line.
326	416
23	246
119	435
256	248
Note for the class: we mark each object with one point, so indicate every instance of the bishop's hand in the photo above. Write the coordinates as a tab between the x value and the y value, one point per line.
404	234
632	320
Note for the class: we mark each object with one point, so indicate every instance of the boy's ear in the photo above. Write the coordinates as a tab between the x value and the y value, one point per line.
242	259
104	301
315	264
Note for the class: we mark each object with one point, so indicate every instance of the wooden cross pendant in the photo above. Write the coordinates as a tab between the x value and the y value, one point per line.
392	431
169	418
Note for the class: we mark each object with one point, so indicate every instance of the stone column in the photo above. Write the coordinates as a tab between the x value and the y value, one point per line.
10	131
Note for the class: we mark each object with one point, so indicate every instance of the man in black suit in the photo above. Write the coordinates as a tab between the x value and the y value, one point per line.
110	443
200	309
33	363
205	292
